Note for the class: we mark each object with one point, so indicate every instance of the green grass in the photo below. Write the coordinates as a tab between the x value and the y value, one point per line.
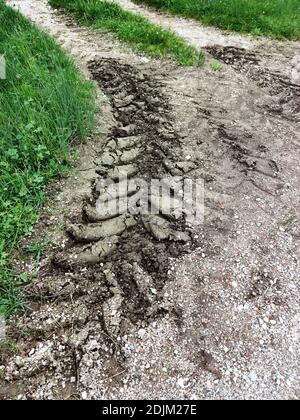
275	18
45	104
133	29
216	66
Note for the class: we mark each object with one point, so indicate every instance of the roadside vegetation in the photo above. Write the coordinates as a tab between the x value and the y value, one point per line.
274	18
45	105
133	29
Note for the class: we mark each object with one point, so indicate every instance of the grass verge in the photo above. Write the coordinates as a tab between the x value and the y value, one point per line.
45	104
275	18
133	29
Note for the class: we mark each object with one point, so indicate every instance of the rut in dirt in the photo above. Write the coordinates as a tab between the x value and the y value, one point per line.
125	247
245	54
114	268
277	84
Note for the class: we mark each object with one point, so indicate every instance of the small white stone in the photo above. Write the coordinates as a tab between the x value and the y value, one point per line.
209	385
180	382
253	376
141	333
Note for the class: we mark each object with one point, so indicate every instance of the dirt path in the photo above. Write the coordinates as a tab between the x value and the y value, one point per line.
203	37
266	62
197	35
152	307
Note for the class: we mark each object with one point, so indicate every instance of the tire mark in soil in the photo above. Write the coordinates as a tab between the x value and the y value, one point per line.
112	272
132	250
253	161
278	85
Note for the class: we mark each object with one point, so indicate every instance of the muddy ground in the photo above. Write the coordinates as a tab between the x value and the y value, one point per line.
152	307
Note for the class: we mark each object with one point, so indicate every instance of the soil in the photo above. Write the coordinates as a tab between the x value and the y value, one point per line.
126	306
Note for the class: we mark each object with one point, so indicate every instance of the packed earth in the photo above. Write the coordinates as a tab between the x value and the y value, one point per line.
152	307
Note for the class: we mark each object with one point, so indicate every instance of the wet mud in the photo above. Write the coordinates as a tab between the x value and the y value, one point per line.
117	228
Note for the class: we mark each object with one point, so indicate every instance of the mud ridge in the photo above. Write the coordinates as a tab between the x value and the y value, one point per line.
133	249
115	264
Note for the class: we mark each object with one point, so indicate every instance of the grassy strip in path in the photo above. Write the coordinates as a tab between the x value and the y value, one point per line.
132	29
275	18
44	104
